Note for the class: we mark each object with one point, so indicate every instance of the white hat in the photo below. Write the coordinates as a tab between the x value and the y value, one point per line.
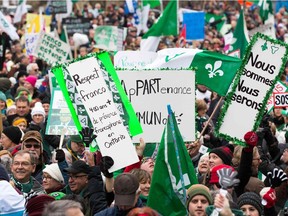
54	171
38	109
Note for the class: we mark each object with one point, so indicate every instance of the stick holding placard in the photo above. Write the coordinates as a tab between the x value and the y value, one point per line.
62	138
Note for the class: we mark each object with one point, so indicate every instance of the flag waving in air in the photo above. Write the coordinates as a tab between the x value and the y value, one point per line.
173	172
20	11
166	25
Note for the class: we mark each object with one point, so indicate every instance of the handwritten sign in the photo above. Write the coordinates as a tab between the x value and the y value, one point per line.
112	137
280	100
59	117
150	91
30	42
57	7
246	103
51	49
76	25
133	60
278	88
109	38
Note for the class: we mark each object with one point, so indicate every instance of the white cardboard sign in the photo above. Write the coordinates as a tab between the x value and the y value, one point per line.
258	75
30	42
278	88
51	49
150	91
112	136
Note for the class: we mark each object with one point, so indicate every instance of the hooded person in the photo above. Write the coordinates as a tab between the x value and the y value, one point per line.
11	202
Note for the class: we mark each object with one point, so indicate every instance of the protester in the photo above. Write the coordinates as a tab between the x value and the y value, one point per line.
53	180
22	110
10	138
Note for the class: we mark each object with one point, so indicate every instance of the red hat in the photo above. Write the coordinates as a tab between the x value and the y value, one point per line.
31	79
251	138
35	206
214	178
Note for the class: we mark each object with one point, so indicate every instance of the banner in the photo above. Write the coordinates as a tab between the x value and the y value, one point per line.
57	7
133	60
112	136
51	50
59	117
263	64
151	91
30	42
109	38
195	23
76	25
278	88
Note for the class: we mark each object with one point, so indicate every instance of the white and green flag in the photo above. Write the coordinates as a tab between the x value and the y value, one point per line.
7	27
152	3
167	24
20	11
211	68
240	38
266	11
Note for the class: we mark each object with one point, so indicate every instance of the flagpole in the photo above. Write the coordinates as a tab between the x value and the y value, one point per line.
177	153
210	118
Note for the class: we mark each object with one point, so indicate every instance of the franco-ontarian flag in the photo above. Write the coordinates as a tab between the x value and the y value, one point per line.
20	11
173	173
166	25
214	70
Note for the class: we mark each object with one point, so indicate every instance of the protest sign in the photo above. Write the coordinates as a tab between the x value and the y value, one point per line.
133	60
109	38
278	88
35	24
112	136
76	25
195	23
245	105
280	100
57	7
30	42
151	91
51	50
59	117
267	29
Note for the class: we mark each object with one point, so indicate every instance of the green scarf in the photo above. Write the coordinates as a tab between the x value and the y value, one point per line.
24	188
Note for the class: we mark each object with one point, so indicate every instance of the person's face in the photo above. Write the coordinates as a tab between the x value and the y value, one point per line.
46	107
202	112
148	165
284	156
83	51
74	212
22	168
203	165
249	210
126	207
21	80
34	70
197	206
78	148
6	142
2	105
28	85
18	47
77	182
22	126
145	187
22	108
50	184
214	160
256	162
33	147
277	112
38	118
11	112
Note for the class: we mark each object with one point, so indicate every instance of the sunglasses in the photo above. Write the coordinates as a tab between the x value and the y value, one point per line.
29	145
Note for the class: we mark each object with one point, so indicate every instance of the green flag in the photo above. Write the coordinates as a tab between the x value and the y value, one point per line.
173	173
152	3
240	38
166	25
265	9
215	20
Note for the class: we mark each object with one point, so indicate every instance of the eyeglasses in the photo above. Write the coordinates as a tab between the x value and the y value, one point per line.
29	145
47	177
23	164
145	159
36	70
74	177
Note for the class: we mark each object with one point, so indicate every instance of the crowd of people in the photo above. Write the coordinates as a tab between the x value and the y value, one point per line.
39	177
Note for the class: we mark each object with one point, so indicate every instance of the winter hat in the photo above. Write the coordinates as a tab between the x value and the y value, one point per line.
32	135
3	174
20	89
225	153
21	74
35	206
251	138
46	100
10	108
54	171
251	198
214	178
31	79
19	120
38	109
13	80
57	195
13	133
2	96
5	84
76	138
198	189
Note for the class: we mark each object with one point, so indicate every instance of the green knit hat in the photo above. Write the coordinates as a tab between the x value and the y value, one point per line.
198	189
76	138
57	195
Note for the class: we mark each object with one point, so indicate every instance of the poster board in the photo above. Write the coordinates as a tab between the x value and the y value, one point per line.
262	66
58	6
109	38
76	25
280	100
150	91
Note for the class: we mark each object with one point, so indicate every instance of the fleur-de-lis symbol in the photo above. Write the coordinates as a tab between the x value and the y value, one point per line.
81	110
213	71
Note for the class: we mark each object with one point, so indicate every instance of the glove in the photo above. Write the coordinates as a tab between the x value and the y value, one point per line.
268	197
60	155
87	135
227	178
276	177
105	164
251	139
